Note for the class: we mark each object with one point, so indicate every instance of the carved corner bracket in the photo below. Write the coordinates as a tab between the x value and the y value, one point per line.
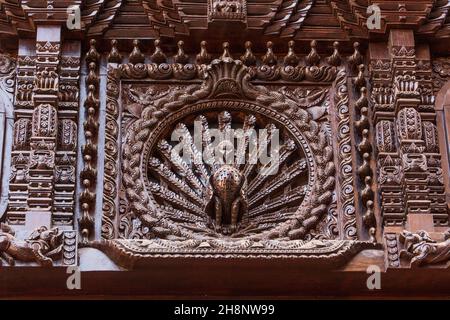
45	247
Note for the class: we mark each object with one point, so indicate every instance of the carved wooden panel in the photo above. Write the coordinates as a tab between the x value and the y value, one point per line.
183	205
356	138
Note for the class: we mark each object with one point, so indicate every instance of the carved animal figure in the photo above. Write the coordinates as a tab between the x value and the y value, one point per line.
422	250
228	199
40	247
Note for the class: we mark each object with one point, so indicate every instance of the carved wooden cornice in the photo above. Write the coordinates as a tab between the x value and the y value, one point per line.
409	14
13	20
97	16
52	11
302	20
282	18
438	22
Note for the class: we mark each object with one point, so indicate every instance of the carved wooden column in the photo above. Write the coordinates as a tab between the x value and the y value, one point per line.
408	157
88	174
434	153
42	184
68	109
417	134
44	126
408	122
388	161
441	86
7	82
23	106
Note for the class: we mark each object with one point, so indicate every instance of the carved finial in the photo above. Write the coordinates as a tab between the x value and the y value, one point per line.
373	233
114	55
360	80
364	169
226	51
136	56
92	55
369	220
92	78
362	101
269	58
158	56
313	58
248	58
356	58
363	122
335	59
367	193
365	146
291	58
181	57
203	57
91	100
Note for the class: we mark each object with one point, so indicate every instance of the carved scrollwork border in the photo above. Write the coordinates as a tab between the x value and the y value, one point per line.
110	190
345	175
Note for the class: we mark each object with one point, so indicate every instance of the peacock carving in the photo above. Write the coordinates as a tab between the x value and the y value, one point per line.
227	174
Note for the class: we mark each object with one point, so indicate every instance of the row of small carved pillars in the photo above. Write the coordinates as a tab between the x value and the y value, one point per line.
248	58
